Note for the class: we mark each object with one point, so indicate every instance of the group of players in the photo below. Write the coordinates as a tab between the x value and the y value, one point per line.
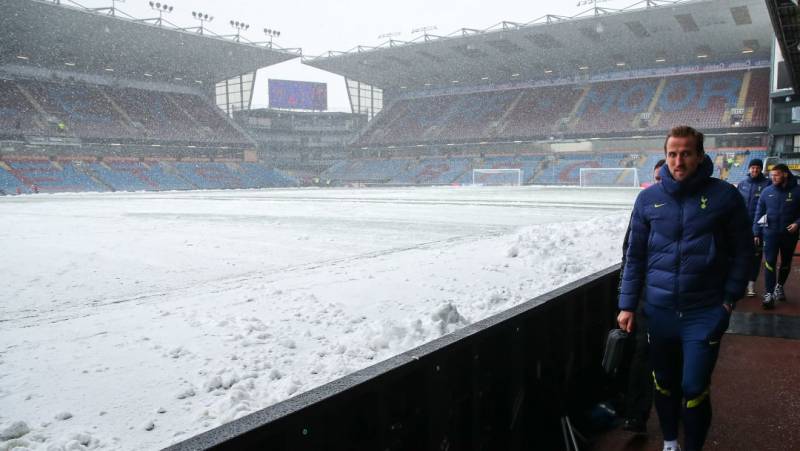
693	248
776	219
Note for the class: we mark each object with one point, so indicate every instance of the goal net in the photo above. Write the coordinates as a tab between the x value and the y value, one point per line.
609	177
497	177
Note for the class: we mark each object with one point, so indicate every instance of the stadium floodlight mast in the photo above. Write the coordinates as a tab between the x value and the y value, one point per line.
203	18
271	34
161	8
239	26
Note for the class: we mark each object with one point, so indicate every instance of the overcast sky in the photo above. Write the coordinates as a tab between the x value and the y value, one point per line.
321	25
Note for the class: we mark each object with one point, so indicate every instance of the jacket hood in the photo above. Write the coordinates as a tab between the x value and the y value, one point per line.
701	175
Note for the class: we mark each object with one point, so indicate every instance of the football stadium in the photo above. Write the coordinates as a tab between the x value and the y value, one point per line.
435	268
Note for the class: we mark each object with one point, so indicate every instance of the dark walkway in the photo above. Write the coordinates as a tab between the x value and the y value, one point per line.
756	386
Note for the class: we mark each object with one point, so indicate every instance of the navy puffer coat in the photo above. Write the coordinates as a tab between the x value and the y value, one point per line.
781	204
690	244
751	189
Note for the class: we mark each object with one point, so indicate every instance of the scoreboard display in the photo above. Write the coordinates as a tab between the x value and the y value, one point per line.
300	95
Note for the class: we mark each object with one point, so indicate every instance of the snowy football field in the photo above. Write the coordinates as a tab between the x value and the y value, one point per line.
135	320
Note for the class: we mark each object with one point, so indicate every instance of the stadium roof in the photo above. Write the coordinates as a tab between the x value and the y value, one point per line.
785	16
599	40
44	34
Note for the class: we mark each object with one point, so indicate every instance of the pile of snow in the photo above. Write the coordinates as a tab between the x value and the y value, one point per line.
164	366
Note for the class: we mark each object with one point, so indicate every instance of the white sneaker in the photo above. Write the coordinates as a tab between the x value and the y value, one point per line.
751	289
779	294
769	302
672	448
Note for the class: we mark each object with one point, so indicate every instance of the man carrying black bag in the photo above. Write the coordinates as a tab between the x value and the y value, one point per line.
689	249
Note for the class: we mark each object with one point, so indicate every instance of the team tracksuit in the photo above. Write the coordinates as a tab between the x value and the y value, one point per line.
750	190
689	252
781	204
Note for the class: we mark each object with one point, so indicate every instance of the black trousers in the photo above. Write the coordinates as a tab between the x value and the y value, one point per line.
756	262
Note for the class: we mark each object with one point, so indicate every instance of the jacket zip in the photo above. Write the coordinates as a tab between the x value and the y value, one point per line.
680	255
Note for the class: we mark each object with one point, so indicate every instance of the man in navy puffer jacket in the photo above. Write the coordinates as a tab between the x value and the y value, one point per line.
781	205
751	189
689	252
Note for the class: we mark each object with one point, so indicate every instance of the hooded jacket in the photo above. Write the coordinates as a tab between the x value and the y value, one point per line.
690	244
751	189
781	204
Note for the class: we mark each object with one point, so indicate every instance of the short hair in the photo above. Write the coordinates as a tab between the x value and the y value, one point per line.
781	167
684	131
659	163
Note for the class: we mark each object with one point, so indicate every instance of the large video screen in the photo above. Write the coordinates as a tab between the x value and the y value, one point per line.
301	95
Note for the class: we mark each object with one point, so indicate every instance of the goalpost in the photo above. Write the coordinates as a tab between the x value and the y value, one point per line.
497	177
609	177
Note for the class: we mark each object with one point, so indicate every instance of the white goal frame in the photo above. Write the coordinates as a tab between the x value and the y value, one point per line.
636	183
516	171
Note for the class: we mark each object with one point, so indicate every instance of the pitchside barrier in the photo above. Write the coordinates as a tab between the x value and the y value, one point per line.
505	383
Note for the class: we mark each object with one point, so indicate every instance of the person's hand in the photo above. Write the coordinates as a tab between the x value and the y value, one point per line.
625	321
792	228
757	241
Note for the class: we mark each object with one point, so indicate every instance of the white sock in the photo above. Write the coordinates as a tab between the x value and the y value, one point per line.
670	444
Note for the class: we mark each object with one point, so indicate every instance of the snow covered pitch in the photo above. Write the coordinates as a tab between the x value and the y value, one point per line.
133	321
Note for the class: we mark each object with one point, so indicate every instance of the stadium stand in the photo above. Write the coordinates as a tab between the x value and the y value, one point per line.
539	110
366	170
255	175
78	175
51	177
541	169
137	176
211	175
102	112
9	184
707	101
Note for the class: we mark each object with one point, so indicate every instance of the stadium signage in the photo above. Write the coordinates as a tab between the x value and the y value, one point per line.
301	95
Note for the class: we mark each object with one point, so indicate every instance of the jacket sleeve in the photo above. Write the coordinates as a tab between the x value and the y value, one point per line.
624	251
633	274
740	242
761	210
